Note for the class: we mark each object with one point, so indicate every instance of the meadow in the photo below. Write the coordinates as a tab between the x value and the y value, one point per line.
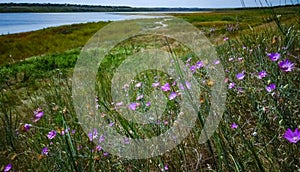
259	130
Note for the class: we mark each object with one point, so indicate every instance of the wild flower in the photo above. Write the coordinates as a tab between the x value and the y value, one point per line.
133	106
45	151
234	126
166	167
286	65
217	62
38	114
172	96
139	97
156	84
292	137
240	90
98	148
262	74
7	167
51	134
199	65
148	104
26	127
240	76
105	154
166	87
273	56
271	87
111	124
101	139
193	68
187	84
93	134
231	85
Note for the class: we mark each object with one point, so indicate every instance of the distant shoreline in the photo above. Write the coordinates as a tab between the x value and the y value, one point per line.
47	7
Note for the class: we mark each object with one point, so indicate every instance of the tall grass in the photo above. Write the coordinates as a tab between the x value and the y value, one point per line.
257	144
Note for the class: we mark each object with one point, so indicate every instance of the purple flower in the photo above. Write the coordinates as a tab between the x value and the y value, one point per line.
105	154
156	84
240	76
140	97
133	106
292	137
273	56
231	85
7	167
51	134
240	90
217	62
98	148
172	96
234	126
199	64
166	87
271	87
286	65
93	135
111	124
45	151
101	139
27	127
148	104
166	167
226	39
187	84
38	114
193	68
262	74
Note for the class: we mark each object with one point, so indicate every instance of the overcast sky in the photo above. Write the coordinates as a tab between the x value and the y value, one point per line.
164	3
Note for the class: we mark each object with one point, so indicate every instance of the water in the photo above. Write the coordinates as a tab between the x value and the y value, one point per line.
24	22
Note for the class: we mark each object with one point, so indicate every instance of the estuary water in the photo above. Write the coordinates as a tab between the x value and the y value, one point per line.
23	22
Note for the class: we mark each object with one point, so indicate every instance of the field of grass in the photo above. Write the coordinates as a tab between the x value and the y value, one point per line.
40	130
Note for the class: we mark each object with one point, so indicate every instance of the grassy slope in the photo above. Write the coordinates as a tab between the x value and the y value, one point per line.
17	47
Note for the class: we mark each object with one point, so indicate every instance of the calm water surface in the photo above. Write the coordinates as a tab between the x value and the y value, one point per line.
23	22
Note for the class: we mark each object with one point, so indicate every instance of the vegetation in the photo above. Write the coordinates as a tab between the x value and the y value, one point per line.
47	7
41	131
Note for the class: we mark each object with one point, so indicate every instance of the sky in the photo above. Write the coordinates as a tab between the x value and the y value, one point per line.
165	3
